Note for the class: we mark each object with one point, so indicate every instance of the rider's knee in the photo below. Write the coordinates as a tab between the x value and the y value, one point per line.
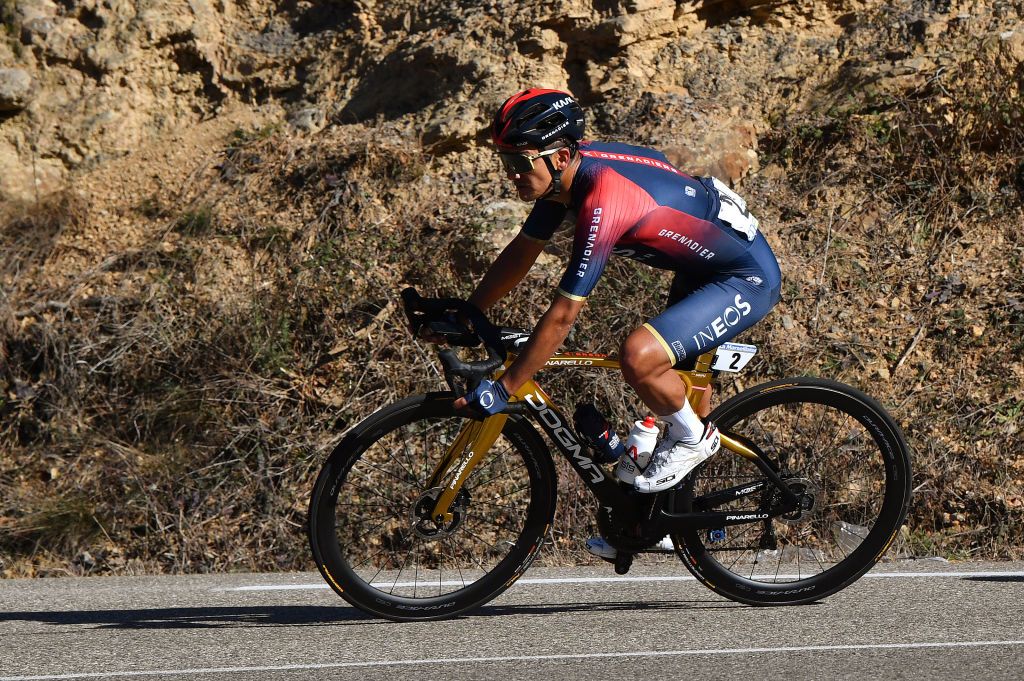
641	357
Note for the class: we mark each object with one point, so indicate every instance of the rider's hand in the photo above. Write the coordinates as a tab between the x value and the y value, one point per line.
489	398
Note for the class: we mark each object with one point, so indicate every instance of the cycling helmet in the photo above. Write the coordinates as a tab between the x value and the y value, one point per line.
537	118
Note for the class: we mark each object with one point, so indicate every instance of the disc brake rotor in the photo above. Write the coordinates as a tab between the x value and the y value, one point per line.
423	524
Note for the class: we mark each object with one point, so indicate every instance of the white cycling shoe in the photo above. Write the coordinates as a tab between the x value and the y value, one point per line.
672	461
597	546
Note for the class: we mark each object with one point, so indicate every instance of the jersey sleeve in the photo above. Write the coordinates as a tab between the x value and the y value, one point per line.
543	220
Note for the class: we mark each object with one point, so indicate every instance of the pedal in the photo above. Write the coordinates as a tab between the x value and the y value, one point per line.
623	562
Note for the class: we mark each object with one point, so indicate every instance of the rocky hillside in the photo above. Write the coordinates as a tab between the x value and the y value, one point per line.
207	209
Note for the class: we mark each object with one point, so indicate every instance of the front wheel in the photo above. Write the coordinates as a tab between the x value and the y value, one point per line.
369	526
840	452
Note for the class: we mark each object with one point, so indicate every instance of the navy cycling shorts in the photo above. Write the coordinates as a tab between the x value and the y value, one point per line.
705	313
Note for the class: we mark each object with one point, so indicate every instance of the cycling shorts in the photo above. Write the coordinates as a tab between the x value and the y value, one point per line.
707	312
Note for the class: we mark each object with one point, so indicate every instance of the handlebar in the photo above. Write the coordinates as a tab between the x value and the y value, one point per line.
440	315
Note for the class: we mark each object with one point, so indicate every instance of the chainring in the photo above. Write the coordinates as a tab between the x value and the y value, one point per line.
624	536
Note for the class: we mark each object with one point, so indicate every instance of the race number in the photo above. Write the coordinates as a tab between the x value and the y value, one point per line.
733	356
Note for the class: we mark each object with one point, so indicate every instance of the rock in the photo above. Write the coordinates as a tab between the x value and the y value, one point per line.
540	41
37	30
308	120
31	10
20	182
15	89
61	39
1012	43
728	154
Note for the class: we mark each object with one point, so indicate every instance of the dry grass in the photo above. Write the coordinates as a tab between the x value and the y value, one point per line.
157	419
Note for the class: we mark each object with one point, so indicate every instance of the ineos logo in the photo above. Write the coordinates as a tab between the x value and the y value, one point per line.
486	399
730	317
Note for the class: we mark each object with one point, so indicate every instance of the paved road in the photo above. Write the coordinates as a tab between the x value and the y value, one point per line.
915	620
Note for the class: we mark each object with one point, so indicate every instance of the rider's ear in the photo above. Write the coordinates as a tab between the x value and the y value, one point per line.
564	158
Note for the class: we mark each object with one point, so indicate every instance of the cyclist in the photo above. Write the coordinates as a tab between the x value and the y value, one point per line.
628	201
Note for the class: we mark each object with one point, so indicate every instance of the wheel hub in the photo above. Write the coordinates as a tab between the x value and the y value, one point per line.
808	498
425	526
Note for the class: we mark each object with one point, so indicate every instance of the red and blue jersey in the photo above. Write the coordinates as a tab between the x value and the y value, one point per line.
631	201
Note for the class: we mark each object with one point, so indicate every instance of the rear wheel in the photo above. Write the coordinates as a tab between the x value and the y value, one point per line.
840	452
369	517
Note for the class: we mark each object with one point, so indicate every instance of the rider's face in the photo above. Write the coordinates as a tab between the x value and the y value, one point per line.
531	185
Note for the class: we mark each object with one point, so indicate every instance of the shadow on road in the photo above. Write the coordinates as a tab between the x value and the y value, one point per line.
287	616
199	618
598	606
996	578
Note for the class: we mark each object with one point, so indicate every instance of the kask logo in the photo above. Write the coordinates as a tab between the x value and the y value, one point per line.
562	102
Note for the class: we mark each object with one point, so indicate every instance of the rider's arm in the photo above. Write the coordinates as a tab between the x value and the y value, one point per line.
506	271
544	341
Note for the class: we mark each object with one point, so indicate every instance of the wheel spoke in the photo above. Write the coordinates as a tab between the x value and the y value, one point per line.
381	486
815	430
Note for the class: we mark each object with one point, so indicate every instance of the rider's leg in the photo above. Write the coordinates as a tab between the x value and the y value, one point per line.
713	313
647	367
704	406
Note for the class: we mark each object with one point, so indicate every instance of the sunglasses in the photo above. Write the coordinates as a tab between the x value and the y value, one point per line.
519	163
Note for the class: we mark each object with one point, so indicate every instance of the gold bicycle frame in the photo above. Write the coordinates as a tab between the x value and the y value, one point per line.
478	436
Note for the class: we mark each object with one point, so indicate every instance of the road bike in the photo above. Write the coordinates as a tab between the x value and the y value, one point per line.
422	513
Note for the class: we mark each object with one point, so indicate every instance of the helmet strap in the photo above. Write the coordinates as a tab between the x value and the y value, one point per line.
556	179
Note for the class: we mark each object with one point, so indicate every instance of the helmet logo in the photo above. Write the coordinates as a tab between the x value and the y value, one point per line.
551	132
562	102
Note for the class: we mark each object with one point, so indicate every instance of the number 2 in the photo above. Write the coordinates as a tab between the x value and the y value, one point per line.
736	357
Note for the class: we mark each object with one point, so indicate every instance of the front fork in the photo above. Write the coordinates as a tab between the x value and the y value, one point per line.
477	437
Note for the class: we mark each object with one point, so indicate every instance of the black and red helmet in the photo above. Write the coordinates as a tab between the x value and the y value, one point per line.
537	118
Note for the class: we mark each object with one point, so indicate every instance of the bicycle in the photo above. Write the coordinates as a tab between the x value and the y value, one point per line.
813	478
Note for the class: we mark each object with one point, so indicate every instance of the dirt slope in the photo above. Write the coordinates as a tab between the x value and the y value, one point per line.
208	209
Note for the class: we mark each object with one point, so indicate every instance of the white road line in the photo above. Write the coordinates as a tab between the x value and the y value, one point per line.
598	580
515	658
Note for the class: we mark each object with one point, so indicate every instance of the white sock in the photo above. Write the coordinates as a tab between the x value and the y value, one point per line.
684	425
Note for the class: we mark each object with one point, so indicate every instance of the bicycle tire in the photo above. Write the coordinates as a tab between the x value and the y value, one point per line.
383	463
776	416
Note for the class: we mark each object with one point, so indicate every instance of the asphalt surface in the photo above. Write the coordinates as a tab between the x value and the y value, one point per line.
908	620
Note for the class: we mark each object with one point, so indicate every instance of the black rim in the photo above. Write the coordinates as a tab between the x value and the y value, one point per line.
842	454
371	527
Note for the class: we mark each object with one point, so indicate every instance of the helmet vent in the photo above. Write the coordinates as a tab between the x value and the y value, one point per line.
535	110
552	121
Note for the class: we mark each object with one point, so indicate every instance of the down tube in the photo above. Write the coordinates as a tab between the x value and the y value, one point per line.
598	480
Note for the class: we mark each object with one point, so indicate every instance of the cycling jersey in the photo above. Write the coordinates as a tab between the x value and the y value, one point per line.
632	202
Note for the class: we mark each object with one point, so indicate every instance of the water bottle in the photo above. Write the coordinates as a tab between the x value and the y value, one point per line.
639	447
599	433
